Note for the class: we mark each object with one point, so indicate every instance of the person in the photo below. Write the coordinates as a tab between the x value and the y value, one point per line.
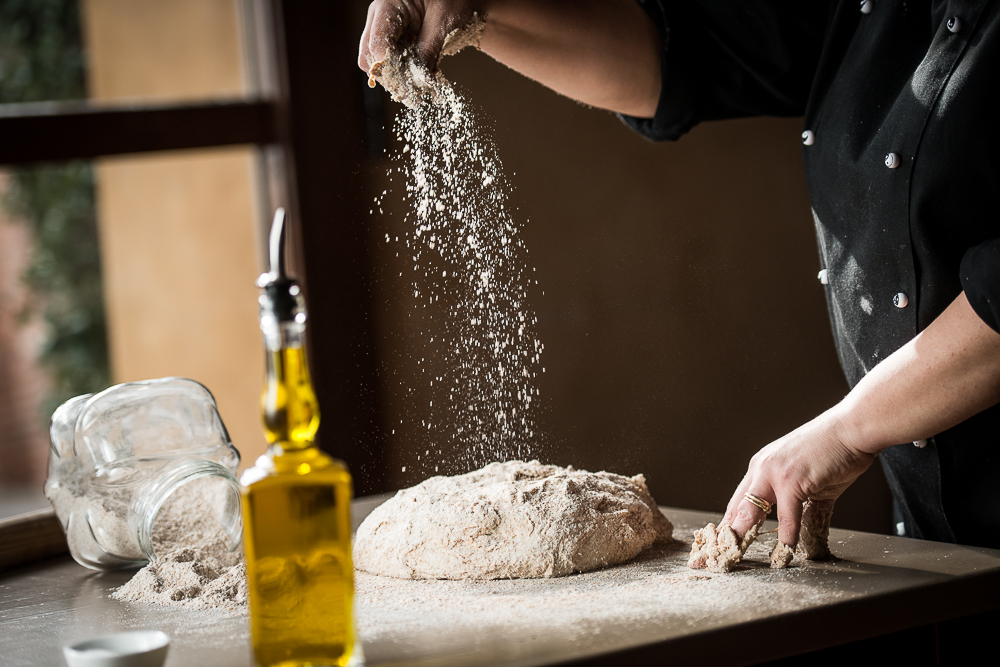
901	166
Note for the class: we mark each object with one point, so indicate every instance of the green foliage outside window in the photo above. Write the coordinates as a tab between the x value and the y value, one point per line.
42	58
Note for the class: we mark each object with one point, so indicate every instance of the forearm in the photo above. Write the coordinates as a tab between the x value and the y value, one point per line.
948	373
605	53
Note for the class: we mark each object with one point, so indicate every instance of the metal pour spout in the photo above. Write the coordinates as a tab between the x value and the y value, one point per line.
276	251
281	298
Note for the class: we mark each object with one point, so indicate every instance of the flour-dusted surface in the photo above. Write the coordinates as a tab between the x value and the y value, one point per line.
652	597
534	622
510	520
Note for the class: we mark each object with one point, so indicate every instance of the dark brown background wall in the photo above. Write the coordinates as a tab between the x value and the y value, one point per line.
683	323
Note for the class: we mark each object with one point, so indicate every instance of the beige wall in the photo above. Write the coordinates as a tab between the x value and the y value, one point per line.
178	239
151	49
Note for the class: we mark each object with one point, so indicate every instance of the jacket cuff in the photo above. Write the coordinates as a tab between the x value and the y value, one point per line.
673	117
980	275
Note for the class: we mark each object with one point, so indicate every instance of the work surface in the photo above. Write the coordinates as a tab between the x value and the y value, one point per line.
647	609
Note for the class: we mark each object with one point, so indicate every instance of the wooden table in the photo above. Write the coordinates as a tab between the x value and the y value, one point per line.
880	585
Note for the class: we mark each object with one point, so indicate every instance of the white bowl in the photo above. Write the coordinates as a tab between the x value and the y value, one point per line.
144	648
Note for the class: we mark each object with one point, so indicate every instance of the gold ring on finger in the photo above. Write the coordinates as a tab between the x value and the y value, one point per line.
759	502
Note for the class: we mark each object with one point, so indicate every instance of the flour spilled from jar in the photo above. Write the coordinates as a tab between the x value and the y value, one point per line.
195	566
479	353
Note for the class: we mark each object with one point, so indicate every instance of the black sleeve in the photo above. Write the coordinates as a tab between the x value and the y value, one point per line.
980	272
732	59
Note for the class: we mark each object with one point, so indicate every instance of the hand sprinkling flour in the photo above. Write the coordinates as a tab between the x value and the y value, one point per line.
484	382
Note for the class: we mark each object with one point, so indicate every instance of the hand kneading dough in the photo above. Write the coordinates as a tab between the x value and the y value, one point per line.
510	520
719	550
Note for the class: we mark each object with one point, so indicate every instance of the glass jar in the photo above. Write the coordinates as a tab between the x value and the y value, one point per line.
142	467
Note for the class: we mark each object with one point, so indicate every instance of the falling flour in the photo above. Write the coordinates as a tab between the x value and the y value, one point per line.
482	361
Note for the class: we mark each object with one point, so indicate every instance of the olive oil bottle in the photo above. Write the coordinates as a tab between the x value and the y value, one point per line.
296	500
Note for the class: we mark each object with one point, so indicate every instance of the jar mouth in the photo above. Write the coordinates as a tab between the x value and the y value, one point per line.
191	503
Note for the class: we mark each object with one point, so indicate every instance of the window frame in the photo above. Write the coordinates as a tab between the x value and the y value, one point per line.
308	120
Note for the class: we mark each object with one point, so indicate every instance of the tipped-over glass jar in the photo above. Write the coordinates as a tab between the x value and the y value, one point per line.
142	468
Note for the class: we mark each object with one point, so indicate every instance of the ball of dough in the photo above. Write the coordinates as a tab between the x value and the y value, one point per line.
510	520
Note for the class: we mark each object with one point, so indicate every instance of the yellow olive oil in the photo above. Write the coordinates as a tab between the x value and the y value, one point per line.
296	501
298	547
289	408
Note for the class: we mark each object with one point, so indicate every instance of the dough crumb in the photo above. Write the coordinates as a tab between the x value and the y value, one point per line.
781	555
719	549
508	521
814	540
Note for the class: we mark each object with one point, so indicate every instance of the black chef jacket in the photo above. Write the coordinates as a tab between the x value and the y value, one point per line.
902	160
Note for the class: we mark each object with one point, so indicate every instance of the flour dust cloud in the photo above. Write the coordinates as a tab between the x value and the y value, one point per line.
471	280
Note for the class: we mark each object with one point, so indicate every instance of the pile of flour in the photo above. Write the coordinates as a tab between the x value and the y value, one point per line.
510	521
195	566
189	577
476	346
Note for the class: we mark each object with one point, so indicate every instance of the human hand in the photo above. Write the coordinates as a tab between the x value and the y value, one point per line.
815	462
424	24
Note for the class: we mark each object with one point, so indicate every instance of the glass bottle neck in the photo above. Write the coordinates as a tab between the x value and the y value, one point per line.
289	409
280	335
